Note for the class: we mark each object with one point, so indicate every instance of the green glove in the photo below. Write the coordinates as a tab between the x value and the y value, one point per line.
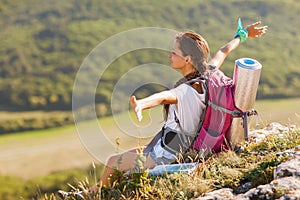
242	33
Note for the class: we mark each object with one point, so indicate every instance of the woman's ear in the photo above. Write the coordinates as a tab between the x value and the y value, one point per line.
188	59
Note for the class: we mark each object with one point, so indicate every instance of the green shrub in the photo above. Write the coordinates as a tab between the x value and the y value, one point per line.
34	123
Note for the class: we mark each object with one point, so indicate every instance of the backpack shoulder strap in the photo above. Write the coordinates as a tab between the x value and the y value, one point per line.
197	84
203	80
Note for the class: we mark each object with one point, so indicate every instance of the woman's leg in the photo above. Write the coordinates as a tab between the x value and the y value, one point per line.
123	162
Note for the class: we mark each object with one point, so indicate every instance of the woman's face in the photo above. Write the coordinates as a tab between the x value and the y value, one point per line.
177	59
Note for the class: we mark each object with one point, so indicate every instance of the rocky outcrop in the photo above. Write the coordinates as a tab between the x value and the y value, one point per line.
286	183
285	186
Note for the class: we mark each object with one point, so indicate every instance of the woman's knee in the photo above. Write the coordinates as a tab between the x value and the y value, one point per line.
112	161
150	163
121	159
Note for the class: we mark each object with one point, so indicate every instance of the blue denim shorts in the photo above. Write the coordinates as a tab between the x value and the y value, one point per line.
161	155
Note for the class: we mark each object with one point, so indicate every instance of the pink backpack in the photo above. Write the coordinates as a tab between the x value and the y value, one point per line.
214	133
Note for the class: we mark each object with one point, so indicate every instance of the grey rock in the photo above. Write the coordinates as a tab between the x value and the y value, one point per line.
243	188
286	183
283	188
221	194
289	168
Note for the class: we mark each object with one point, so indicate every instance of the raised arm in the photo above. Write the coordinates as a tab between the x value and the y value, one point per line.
218	59
165	97
253	32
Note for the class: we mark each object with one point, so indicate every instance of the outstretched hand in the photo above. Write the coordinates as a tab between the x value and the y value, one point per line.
136	108
254	31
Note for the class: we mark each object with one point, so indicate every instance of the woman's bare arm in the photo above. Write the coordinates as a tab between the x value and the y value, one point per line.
223	52
165	97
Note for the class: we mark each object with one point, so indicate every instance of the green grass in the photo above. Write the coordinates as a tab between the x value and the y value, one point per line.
37	134
12	187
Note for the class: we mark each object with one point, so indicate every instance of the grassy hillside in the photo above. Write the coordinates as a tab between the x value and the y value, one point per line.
44	43
230	169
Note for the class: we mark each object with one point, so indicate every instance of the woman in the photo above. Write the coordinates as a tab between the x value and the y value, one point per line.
183	104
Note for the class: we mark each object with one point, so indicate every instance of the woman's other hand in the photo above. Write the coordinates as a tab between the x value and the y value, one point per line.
254	31
136	108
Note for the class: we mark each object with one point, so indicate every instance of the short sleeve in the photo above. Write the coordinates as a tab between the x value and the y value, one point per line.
189	108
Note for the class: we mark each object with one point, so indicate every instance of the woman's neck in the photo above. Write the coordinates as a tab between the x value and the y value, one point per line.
187	70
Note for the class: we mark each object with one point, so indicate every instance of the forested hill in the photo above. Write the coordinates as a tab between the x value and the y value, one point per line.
43	43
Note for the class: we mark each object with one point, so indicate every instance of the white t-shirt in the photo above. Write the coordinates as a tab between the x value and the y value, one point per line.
190	106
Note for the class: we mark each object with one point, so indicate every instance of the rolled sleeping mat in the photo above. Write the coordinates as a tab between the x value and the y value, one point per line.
246	77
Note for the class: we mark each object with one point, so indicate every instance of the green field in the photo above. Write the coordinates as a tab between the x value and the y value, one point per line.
285	111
